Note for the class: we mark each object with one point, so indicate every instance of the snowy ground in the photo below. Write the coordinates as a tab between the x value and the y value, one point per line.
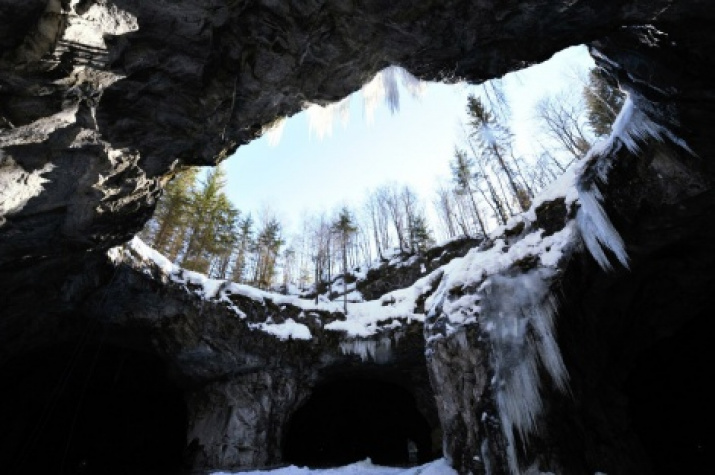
438	467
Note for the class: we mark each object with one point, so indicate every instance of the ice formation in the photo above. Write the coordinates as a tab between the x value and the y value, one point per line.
515	307
630	129
378	351
518	314
385	86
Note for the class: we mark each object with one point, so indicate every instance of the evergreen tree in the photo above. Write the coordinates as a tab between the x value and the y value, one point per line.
221	247
213	219
462	166
172	212
344	227
495	143
268	244
603	102
420	235
244	242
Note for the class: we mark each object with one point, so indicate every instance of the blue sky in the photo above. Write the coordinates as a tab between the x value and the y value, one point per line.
306	174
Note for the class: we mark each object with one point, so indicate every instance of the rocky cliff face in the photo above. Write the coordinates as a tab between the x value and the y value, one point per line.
544	351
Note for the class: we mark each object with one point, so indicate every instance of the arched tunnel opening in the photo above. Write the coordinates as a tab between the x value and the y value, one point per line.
671	400
350	420
85	409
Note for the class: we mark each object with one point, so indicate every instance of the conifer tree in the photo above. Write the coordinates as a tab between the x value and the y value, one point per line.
461	166
244	242
603	101
171	215
225	218
268	244
420	235
212	215
345	228
495	143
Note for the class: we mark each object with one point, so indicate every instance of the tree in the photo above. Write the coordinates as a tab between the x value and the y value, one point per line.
563	119
603	101
461	167
377	211
289	263
212	213
267	247
344	227
391	200
244	242
225	219
420	235
495	144
171	216
444	205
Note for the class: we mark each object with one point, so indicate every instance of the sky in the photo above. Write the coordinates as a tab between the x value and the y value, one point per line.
306	174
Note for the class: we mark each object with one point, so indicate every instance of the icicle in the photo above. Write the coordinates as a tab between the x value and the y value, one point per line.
321	119
378	351
597	231
274	132
384	87
519	313
631	128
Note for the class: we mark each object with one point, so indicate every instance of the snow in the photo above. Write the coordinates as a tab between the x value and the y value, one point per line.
287	330
365	467
364	319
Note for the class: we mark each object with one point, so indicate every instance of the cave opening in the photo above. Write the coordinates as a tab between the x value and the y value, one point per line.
670	400
86	409
350	420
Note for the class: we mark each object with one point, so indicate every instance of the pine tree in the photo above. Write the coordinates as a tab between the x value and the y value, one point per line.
495	143
462	166
268	244
225	218
172	213
213	215
420	235
344	227
244	242
603	102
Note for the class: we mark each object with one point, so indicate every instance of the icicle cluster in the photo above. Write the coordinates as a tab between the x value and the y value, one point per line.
631	128
518	314
383	87
379	351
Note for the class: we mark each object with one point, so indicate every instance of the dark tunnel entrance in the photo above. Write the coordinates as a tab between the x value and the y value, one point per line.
348	421
671	400
94	411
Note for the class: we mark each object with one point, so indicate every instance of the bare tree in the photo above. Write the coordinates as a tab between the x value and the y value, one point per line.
443	204
563	118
